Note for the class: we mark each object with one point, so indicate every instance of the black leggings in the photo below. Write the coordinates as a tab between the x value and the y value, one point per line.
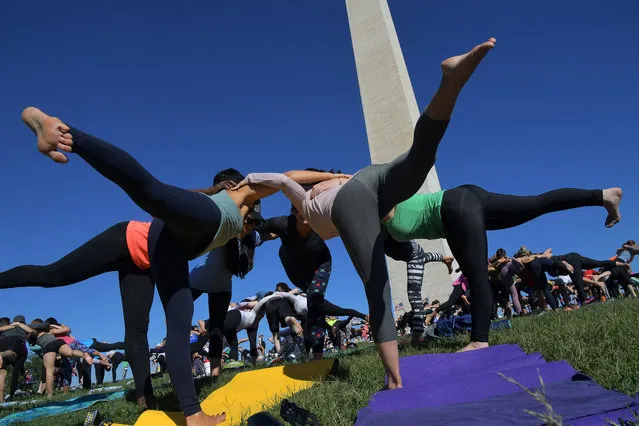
106	347
116	359
18	370
579	263
314	330
218	306
369	196
106	252
185	223
452	299
337	311
619	275
277	310
469	211
336	331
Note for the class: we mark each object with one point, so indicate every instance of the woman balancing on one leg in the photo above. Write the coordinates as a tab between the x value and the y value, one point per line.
186	225
573	264
354	211
123	248
382	194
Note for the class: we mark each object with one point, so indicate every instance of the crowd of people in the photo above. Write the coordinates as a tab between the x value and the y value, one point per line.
63	355
376	212
530	282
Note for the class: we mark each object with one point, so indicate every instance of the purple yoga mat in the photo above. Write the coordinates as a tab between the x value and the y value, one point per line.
419	369
467	388
631	414
571	399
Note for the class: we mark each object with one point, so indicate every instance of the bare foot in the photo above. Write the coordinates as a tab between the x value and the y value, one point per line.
215	371
201	419
52	134
142	403
473	346
448	261
611	199
458	69
88	358
394	384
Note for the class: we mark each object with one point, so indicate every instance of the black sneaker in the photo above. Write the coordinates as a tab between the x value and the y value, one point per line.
297	416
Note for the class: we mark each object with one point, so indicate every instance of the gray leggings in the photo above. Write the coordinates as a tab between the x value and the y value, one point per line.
361	204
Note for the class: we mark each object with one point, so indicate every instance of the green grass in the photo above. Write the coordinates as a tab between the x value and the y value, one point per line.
600	341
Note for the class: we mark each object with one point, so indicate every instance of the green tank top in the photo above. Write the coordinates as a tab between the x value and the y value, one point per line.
419	217
230	222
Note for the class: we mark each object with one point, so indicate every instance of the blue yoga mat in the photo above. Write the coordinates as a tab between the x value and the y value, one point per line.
60	407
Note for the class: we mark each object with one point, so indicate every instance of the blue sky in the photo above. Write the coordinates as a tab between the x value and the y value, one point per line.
271	86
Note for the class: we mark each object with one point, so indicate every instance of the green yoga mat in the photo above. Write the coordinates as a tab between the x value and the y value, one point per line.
60	407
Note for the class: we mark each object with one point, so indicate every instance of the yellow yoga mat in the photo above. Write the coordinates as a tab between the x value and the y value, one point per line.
248	393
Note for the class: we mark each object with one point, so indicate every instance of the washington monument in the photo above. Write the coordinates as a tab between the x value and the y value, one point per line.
390	113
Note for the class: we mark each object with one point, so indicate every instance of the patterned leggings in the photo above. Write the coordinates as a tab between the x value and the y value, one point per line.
315	330
415	257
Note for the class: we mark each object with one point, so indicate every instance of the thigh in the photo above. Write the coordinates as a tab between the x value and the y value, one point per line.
169	264
218	309
272	317
136	290
356	217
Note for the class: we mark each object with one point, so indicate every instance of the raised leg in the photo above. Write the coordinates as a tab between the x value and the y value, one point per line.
403	177
179	208
506	211
103	253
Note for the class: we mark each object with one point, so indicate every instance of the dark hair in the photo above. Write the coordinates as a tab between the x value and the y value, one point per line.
500	253
268	293
52	321
240	254
228	174
630	243
38	326
435	302
5	321
283	285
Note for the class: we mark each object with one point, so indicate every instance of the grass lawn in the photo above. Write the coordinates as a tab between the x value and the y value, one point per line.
601	341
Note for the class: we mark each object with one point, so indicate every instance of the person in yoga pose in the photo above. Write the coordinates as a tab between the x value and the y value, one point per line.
122	248
574	264
186	225
384	196
13	351
49	338
373	192
416	258
620	274
18	327
504	268
305	255
214	276
307	262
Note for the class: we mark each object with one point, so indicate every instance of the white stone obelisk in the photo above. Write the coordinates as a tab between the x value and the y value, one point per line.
390	113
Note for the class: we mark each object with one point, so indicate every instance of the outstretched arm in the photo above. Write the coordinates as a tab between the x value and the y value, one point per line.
214	189
59	329
289	182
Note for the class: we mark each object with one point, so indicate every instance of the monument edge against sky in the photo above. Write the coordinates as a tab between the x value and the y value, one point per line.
390	113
